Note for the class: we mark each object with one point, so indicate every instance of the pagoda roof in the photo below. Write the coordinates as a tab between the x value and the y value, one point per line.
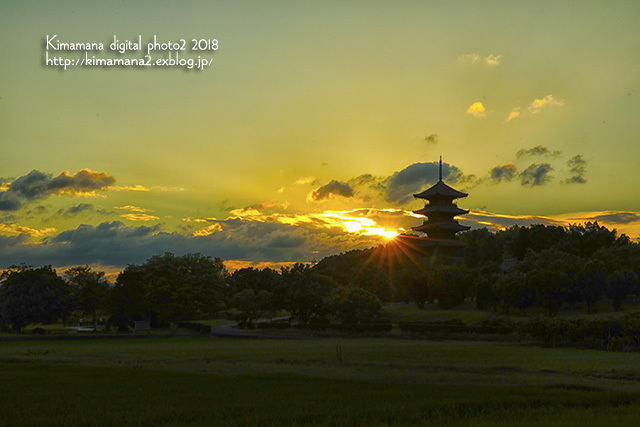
452	209
452	225
440	189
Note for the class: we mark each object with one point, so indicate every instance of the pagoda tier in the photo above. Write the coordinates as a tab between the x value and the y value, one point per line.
432	210
444	227
440	191
440	225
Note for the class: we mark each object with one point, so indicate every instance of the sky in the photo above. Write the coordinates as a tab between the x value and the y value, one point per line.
313	126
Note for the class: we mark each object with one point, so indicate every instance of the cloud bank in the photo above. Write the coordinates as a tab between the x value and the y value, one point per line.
38	185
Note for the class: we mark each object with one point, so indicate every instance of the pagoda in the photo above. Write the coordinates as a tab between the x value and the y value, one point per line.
439	224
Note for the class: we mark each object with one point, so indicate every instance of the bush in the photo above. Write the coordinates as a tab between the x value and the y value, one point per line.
39	331
489	326
496	325
346	327
444	326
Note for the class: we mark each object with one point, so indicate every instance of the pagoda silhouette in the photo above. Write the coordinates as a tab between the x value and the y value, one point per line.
440	225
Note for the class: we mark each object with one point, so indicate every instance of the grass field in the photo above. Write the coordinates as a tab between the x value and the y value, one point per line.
204	381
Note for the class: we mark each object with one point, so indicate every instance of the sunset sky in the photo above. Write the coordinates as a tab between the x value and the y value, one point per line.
313	127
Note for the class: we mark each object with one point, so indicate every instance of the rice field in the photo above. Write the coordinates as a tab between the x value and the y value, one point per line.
209	381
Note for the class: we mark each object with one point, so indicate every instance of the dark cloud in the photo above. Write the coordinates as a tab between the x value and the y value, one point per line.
617	217
432	139
536	174
35	211
368	186
577	167
368	180
286	240
539	150
76	210
7	219
402	185
336	188
503	173
115	244
36	185
478	219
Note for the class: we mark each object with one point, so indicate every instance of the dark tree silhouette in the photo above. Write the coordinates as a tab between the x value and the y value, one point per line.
33	295
353	305
592	286
89	290
171	288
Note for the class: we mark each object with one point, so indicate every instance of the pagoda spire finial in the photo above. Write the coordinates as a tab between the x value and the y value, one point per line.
440	168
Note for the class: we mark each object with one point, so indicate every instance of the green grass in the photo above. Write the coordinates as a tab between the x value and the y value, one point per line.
205	381
387	360
37	393
401	312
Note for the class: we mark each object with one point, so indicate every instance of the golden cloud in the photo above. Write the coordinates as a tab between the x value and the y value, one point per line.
233	265
208	230
493	59
19	229
139	217
139	187
357	221
473	58
547	101
477	110
130	188
133	208
513	114
305	180
623	221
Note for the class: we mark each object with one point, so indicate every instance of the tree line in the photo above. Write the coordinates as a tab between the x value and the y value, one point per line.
513	269
170	289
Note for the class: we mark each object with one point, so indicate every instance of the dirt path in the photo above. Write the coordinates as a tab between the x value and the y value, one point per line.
231	331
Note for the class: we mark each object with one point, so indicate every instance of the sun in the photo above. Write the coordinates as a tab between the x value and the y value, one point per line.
359	225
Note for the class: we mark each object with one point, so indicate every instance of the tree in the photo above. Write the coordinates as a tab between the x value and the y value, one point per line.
253	278
372	277
451	285
416	284
247	306
172	288
353	305
302	293
592	286
551	274
484	276
127	298
511	290
89	290
621	285
551	287
585	239
33	295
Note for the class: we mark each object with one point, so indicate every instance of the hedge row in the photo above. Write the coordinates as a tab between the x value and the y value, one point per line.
617	333
498	326
614	333
347	327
